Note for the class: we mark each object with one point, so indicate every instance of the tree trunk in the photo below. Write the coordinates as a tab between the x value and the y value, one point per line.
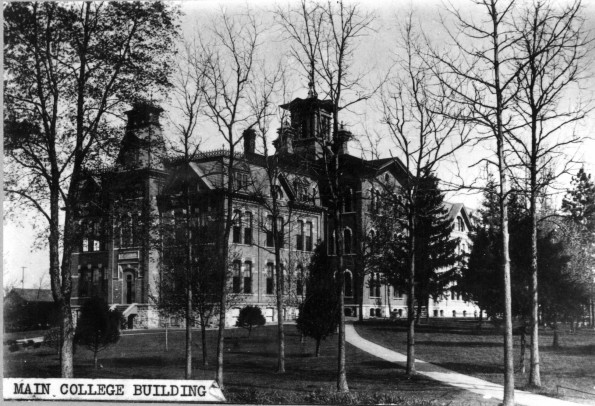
534	374
341	368
203	333
317	347
189	332
556	342
280	287
523	346
410	369
95	359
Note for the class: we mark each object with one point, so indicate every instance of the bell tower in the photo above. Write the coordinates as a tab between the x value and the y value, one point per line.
309	127
143	146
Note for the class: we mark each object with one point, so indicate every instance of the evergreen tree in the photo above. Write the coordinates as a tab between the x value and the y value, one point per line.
436	254
98	326
249	317
435	250
319	313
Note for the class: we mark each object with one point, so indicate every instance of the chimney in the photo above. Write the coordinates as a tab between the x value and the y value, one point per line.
343	137
249	141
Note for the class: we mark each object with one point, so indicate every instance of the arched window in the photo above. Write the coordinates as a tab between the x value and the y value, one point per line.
309	235
347	241
237	227
237	277
269	232
299	238
374	284
299	286
454	313
280	232
460	224
270	272
247	277
129	286
248	228
348	284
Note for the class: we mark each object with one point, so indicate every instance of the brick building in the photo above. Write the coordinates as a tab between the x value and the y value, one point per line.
117	260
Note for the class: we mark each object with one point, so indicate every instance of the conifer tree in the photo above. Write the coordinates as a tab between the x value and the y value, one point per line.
319	314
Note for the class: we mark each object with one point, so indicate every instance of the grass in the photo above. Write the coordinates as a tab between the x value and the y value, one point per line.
250	365
462	348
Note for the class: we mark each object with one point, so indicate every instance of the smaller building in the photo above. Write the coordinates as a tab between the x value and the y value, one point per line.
29	309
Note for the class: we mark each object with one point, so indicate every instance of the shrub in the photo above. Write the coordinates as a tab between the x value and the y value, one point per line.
14	347
250	316
52	339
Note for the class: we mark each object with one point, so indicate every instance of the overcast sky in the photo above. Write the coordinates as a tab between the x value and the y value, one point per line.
373	56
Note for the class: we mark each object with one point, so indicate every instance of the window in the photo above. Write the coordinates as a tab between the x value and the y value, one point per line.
237	227
347	241
309	235
299	287
435	313
464	313
126	231
400	312
269	232
130	288
371	312
299	238
454	313
248	228
270	275
241	180
331	243
460	224
398	293
301	190
452	294
348	200
348	284
248	277
378	313
237	277
373	200
441	313
374	284
280	232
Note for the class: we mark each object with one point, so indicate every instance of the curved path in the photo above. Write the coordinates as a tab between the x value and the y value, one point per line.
479	386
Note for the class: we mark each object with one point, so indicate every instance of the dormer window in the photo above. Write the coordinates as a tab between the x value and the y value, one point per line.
278	191
460	224
241	181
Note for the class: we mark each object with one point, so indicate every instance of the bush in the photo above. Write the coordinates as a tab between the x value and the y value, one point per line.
250	316
14	347
52	339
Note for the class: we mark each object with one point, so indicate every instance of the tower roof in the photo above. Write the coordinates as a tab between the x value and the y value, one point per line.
309	103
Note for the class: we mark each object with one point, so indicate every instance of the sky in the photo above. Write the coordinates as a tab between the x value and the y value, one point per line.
373	55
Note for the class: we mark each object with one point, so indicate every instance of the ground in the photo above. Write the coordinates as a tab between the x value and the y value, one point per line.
250	365
465	349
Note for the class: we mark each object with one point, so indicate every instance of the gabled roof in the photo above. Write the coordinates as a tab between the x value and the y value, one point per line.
454	209
34	295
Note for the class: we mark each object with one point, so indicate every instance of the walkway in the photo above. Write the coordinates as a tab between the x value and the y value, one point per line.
479	386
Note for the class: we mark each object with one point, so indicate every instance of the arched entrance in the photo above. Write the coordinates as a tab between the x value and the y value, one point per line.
129	286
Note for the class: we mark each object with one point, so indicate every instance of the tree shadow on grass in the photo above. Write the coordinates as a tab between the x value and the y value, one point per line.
578	350
467	368
467	344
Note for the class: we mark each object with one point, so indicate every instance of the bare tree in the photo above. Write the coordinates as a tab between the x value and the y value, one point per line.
425	127
70	67
552	52
230	64
480	70
324	38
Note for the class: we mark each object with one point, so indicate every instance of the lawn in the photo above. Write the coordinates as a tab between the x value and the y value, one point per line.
462	348
250	365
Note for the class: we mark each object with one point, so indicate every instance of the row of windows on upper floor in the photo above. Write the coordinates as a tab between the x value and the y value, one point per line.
242	279
242	231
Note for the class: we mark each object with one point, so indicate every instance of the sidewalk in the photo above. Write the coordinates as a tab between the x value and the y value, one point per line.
479	386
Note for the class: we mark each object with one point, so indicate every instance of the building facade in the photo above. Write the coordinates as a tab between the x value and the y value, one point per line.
119	260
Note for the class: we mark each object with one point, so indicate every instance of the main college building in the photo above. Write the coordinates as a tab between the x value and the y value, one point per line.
116	259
